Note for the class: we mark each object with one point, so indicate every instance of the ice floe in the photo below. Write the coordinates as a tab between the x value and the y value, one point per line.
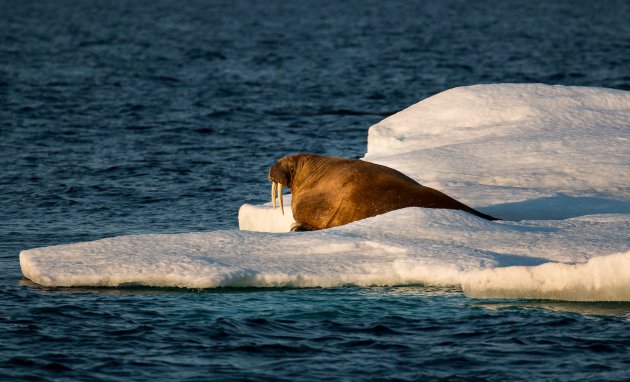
553	161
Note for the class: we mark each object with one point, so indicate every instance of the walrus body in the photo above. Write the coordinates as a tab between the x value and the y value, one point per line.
328	191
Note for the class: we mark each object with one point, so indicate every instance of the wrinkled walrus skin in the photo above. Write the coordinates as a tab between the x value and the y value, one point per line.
329	191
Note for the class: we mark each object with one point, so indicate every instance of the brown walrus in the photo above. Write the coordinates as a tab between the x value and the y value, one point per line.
328	191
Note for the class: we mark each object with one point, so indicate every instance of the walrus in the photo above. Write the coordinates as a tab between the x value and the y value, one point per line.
329	191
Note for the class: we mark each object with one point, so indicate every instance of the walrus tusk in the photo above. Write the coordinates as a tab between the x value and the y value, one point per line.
273	194
280	197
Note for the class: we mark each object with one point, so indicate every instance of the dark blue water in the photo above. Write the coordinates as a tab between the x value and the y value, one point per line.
120	117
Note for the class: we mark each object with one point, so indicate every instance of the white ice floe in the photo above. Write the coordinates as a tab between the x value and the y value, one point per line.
265	218
555	158
602	278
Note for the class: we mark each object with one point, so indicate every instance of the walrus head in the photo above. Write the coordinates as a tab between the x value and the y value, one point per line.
281	173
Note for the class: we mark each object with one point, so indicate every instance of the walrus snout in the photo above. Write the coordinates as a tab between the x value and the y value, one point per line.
281	173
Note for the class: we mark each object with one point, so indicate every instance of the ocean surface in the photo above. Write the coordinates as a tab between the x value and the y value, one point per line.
120	117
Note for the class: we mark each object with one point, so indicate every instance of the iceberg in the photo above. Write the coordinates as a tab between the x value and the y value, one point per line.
552	161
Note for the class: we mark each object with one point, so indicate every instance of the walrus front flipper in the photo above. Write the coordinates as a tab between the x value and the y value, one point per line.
296	227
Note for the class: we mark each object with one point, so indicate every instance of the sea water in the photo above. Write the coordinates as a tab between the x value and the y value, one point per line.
158	117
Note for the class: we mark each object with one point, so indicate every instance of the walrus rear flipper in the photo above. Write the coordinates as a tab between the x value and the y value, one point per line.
431	198
487	217
480	214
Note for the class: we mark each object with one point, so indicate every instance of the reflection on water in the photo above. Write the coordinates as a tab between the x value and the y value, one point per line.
586	308
145	290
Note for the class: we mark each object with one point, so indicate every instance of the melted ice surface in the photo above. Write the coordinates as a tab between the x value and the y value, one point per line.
557	159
